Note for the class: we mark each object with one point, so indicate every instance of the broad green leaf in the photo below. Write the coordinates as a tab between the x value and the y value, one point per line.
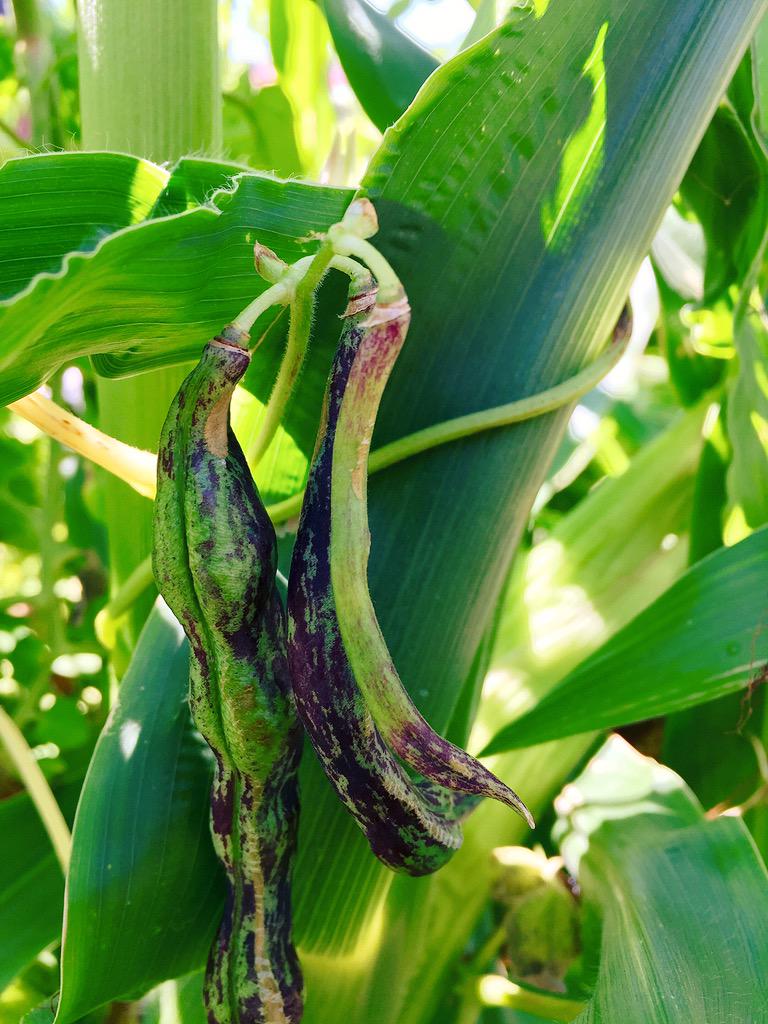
504	198
41	221
31	883
114	303
710	495
727	186
384	66
710	747
144	891
602	563
684	901
194	181
748	423
700	640
368	898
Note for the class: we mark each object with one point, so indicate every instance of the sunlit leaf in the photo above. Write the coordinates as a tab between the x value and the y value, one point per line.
114	303
259	130
38	228
300	40
684	901
703	638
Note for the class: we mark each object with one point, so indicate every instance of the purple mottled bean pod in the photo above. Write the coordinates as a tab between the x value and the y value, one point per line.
215	558
348	695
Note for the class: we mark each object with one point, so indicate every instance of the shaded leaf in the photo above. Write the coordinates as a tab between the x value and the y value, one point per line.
31	883
705	637
144	891
384	66
727	187
748	423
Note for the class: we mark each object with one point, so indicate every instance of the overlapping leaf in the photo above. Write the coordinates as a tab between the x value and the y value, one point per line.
705	637
151	295
31	883
688	939
384	66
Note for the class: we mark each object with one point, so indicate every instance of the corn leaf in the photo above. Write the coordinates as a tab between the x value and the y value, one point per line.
144	890
684	901
705	637
31	883
384	66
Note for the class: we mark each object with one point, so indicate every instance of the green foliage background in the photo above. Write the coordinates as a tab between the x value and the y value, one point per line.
518	194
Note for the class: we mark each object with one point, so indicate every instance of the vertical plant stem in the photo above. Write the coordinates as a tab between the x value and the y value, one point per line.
149	85
34	54
37	786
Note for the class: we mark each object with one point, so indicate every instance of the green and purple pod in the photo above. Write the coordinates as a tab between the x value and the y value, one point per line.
215	559
348	694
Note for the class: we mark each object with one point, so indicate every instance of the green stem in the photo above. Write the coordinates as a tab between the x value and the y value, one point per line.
34	53
390	286
476	422
413	444
302	307
37	786
140	579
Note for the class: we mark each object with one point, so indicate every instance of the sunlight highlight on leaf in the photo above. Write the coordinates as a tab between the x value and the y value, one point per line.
583	155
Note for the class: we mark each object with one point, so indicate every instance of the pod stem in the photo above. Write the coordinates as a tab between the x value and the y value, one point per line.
347	244
302	303
279	294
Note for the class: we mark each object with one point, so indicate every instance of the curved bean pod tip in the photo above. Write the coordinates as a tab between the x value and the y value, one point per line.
411	825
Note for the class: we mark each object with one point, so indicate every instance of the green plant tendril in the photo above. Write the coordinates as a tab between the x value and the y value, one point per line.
474	423
302	307
421	441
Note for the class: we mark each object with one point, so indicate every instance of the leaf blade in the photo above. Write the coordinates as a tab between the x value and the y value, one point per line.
701	639
133	917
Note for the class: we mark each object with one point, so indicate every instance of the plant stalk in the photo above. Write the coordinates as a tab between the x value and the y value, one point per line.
34	55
